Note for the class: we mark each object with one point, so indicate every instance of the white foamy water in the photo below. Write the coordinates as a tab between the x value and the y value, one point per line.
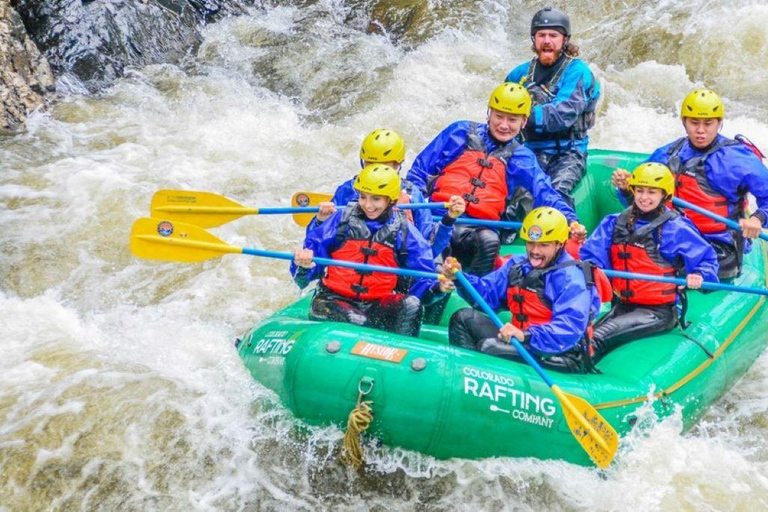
119	383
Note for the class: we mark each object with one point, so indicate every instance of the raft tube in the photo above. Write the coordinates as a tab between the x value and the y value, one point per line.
445	401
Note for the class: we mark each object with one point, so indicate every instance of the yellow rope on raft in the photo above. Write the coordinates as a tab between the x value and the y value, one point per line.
359	420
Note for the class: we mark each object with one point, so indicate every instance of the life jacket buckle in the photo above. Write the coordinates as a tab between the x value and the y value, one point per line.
624	255
484	163
477	182
520	317
358	288
627	293
470	198
518	297
369	251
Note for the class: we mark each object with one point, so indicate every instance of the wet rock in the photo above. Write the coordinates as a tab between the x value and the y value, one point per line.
412	22
90	43
26	81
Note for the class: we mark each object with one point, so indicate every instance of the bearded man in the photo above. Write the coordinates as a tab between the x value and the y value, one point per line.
564	93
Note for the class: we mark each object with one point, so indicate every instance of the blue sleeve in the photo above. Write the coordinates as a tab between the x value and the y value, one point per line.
420	258
682	240
443	149
518	73
437	234
345	194
319	240
441	238
491	287
660	155
422	219
523	170
597	248
572	308
578	90
754	178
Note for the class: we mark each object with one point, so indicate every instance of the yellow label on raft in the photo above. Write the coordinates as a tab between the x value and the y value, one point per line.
381	352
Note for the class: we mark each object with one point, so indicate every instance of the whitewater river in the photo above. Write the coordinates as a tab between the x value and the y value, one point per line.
120	387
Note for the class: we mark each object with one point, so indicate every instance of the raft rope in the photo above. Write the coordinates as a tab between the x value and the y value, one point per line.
359	420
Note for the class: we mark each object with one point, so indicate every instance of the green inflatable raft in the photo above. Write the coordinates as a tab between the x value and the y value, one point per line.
433	398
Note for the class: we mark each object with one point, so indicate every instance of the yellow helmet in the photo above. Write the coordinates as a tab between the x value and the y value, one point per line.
703	103
382	146
379	180
512	98
545	224
652	174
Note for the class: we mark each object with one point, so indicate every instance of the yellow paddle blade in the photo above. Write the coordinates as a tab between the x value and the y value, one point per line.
307	199
200	208
593	433
158	239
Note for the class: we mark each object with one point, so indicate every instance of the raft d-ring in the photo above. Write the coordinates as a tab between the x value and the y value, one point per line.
365	386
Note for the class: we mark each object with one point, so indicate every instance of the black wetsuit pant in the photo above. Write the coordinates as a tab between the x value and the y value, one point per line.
730	257
565	170
473	330
629	322
398	313
475	247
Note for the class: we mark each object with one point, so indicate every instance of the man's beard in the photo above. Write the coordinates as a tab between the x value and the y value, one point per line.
547	59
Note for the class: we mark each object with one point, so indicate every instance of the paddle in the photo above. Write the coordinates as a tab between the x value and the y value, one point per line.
209	210
307	199
312	198
728	222
591	430
175	241
706	285
159	239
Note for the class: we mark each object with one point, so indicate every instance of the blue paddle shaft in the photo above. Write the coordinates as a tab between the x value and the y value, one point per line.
315	209
339	263
728	222
706	285
496	320
488	223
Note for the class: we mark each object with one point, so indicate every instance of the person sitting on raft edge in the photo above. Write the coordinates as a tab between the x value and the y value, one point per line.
385	146
369	231
647	238
715	173
552	298
484	164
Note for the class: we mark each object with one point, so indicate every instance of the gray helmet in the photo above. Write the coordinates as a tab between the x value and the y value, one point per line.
550	18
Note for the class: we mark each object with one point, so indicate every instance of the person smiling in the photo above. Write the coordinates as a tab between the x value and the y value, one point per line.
484	164
370	231
647	238
715	173
551	296
565	94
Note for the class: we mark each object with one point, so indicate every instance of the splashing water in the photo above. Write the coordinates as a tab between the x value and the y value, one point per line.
119	384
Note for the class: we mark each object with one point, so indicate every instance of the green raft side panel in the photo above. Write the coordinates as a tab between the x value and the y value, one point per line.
437	399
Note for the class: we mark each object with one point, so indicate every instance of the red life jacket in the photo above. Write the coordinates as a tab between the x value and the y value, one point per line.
525	293
637	251
692	185
478	176
356	243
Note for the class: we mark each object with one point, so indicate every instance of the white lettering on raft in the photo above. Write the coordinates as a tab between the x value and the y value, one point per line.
278	346
499	390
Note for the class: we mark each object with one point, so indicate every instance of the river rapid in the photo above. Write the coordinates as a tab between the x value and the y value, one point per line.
120	387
